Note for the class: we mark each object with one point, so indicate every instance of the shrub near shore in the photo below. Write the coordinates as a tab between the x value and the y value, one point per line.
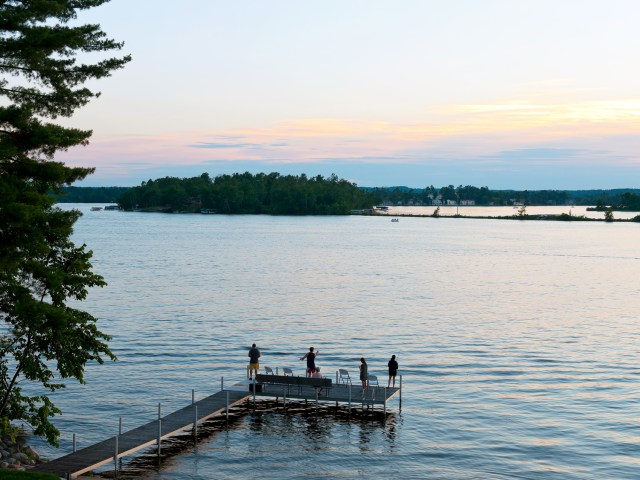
15	475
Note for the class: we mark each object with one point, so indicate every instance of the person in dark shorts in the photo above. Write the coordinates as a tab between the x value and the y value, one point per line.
311	360
364	375
254	366
393	370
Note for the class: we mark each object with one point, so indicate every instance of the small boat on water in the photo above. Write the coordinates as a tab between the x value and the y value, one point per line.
96	209
112	207
395	219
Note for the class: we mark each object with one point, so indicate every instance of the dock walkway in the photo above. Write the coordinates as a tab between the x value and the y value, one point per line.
94	456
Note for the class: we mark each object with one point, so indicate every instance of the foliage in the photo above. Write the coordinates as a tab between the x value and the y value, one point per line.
436	213
608	215
246	193
8	430
42	339
626	201
90	194
483	196
630	201
16	475
522	212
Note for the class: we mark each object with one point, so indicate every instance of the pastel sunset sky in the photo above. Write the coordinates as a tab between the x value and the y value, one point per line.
522	94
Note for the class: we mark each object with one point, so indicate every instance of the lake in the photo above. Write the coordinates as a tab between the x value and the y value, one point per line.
517	341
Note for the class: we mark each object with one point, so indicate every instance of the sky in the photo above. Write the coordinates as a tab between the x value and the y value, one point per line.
526	94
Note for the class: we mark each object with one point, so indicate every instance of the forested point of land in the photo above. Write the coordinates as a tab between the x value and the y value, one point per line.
277	194
243	193
627	201
90	194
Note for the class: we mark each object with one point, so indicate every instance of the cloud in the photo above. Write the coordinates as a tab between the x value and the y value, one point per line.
222	145
479	139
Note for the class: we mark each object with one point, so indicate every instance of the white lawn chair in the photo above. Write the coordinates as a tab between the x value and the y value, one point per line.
287	372
343	376
268	371
373	380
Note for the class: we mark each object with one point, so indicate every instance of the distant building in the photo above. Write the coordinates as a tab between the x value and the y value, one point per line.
437	200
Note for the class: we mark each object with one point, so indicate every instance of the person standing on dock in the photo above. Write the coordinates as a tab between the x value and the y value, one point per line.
393	370
254	355
311	360
364	375
317	374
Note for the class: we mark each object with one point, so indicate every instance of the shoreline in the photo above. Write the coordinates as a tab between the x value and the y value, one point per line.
16	454
544	217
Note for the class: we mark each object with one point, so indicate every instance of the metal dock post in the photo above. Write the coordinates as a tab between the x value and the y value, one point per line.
385	403
115	458
159	431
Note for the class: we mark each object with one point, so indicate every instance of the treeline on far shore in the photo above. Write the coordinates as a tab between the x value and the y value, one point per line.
301	195
91	194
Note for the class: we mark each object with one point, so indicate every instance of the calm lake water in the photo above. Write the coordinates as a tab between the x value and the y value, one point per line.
518	341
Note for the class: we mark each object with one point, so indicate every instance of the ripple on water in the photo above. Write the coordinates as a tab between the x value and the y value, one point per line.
517	343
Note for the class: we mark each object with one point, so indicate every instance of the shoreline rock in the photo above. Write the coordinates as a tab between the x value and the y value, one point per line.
15	454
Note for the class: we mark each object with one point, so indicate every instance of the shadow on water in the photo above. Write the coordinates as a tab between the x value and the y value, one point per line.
261	416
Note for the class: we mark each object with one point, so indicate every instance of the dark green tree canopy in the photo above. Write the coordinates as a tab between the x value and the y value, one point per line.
42	339
271	193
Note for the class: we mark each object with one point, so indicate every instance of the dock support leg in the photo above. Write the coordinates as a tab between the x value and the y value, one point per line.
74	443
193	396
385	404
195	424
254	392
400	392
115	458
159	431
221	383
284	399
227	407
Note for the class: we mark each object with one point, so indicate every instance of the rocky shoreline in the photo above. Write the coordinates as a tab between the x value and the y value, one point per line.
15	454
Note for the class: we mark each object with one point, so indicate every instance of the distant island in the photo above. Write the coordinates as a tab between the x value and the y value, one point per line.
275	194
245	193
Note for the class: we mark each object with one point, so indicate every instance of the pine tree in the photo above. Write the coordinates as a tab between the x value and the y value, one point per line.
43	340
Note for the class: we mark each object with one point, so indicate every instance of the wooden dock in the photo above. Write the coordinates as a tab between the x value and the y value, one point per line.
185	419
94	456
